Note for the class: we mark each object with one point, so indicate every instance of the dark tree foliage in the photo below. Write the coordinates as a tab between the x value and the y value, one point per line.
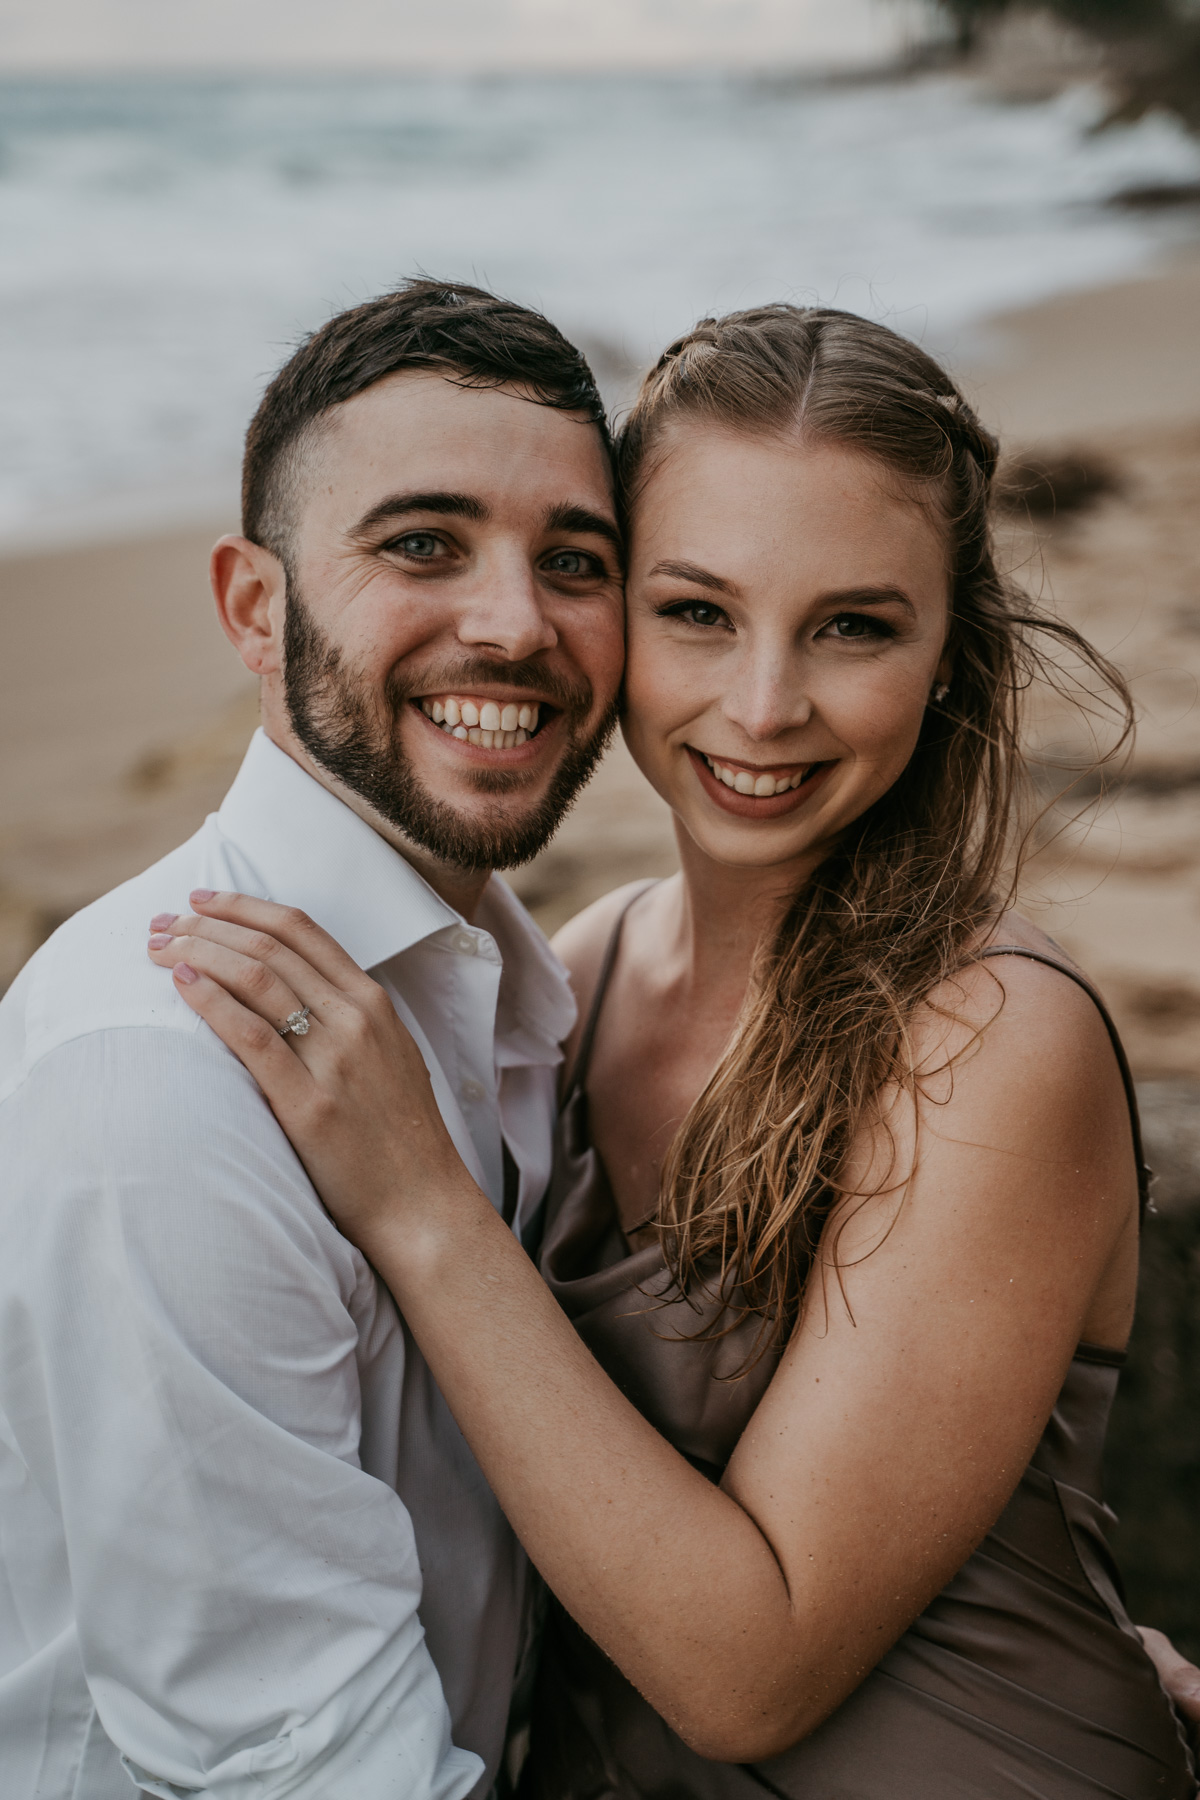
1151	47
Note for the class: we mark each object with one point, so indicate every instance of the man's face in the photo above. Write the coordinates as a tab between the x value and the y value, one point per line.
454	634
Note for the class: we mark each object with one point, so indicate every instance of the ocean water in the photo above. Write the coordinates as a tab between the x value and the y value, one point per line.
163	242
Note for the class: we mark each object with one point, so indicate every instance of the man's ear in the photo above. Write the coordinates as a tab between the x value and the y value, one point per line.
249	585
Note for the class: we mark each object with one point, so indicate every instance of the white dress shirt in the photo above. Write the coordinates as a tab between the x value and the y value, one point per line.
244	1549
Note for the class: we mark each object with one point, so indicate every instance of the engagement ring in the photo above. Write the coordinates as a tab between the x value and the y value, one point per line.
297	1022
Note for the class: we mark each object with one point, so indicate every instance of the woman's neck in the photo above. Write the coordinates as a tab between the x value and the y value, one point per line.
725	912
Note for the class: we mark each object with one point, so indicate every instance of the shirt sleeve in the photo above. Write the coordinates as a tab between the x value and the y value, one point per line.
181	1343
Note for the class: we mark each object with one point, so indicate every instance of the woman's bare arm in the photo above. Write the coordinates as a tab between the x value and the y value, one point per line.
900	1419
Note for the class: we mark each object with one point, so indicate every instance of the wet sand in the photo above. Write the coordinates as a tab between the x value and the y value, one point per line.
123	712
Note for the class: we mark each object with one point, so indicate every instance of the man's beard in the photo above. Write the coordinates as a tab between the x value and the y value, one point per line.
357	740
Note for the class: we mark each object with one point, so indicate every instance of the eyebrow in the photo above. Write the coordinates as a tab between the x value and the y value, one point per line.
686	571
398	506
581	518
565	517
883	595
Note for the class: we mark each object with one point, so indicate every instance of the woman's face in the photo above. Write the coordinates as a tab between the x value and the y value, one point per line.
788	610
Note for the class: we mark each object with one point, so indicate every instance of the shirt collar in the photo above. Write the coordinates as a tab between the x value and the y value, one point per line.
310	850
535	1008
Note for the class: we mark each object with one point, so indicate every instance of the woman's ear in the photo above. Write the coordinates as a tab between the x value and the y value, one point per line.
249	585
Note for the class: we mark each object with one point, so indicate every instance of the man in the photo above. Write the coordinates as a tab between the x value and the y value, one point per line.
227	1481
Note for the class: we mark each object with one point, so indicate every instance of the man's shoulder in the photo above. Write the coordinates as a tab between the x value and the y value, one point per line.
93	974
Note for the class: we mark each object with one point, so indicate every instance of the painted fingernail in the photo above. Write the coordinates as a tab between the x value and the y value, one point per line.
184	972
159	940
160	921
202	894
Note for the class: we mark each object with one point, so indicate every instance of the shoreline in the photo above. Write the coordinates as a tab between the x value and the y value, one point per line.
1097	359
124	713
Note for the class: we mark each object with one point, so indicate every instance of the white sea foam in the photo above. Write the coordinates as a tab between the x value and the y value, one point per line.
162	243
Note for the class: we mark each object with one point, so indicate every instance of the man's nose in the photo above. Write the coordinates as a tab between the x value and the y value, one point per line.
505	611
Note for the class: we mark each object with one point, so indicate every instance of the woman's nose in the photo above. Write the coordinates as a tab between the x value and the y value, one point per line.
767	699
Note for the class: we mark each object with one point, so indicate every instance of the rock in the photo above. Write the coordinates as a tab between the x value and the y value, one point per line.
1051	485
1171	1138
1153	1456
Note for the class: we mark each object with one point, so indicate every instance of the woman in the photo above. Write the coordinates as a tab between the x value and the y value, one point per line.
846	1206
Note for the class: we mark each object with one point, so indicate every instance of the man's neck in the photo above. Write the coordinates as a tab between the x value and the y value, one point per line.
460	888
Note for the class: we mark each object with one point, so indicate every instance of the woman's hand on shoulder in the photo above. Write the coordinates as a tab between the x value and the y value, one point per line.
350	1087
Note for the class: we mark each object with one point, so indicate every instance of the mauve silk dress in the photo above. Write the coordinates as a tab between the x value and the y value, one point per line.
1023	1678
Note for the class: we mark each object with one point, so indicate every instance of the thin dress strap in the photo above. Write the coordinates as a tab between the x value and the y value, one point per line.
584	1053
1145	1174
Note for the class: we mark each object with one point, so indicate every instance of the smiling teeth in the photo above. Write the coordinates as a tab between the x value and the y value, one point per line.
483	722
760	786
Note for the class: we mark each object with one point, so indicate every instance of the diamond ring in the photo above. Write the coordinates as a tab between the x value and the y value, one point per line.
297	1022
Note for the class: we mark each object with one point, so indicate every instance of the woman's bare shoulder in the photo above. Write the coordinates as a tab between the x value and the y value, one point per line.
1018	1104
1011	930
1018	1020
580	945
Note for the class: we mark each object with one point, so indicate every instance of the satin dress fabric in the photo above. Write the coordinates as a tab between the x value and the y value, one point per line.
1024	1677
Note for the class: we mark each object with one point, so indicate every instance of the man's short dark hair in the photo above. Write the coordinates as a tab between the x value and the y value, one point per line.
477	339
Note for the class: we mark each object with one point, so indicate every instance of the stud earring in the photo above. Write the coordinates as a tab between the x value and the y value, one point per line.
940	691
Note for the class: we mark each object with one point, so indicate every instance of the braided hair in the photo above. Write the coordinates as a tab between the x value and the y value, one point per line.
897	907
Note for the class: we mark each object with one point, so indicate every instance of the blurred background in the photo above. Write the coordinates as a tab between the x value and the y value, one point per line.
187	189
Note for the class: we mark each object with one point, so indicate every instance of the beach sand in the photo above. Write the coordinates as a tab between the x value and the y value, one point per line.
123	711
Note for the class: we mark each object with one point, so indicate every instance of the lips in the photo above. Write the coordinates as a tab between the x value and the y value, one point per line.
741	788
761	783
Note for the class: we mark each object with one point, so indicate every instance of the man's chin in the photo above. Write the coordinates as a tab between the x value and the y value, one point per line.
462	812
480	802
481	821
476	830
475	816
525	789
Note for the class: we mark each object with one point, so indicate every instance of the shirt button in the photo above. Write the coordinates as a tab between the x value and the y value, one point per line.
471	1092
465	943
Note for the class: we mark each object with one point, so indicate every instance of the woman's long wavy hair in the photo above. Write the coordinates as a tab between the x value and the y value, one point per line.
897	907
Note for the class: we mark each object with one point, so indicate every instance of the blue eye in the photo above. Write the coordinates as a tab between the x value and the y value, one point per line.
573	562
421	544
